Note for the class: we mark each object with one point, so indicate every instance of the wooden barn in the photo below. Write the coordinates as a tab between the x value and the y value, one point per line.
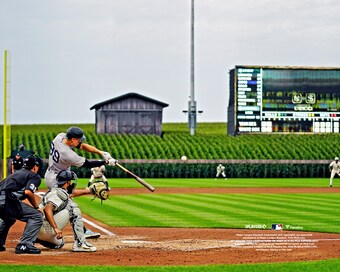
131	113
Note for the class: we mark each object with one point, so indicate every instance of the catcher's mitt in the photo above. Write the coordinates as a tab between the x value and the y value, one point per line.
100	189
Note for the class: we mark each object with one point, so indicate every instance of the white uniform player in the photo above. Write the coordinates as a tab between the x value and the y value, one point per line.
98	173
58	213
334	168
62	157
220	171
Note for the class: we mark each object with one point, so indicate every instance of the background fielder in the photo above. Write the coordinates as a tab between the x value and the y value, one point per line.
220	171
334	168
98	173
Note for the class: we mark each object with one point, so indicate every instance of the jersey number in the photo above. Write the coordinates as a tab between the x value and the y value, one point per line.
54	153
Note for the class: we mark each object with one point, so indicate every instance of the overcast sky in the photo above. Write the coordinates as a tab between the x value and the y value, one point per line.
68	55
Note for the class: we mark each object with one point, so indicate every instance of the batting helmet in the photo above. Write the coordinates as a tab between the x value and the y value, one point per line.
75	132
336	158
64	176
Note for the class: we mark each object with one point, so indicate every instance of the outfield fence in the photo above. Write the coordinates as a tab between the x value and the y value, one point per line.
207	168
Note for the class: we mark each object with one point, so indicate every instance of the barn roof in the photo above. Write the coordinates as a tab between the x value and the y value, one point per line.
125	96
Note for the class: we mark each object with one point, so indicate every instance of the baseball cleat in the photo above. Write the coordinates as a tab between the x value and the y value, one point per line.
24	249
84	247
2	248
89	234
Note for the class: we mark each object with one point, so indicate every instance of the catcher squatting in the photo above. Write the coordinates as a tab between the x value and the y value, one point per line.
59	209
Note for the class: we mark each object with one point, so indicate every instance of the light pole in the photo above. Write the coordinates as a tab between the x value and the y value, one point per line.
192	107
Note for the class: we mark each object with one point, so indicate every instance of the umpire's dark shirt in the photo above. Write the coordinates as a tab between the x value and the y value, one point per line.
17	163
16	183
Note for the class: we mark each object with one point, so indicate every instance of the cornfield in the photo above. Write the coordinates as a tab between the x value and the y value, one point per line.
210	142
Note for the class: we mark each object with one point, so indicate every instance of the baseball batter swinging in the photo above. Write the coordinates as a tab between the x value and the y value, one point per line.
334	168
62	157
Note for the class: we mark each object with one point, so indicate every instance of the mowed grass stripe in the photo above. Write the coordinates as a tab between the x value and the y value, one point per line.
219	183
146	211
228	212
247	211
178	208
292	207
312	212
164	213
169	210
266	211
122	208
208	213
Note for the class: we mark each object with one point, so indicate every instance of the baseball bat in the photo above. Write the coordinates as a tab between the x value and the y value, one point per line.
141	181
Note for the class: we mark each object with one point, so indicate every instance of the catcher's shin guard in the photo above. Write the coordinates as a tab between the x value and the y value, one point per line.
77	223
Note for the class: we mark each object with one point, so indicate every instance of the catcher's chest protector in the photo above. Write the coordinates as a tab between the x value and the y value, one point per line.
58	196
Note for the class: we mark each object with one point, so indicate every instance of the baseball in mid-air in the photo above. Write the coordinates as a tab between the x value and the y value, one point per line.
184	158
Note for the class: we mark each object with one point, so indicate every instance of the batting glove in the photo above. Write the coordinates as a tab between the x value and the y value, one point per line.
106	156
112	162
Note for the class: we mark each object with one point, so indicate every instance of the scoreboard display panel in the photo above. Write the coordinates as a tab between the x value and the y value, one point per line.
265	99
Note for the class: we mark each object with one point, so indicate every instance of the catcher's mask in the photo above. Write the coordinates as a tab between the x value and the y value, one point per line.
65	176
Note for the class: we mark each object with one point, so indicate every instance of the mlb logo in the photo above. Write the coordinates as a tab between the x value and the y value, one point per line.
277	227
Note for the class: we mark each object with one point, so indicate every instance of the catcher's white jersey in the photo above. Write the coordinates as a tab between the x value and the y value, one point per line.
61	157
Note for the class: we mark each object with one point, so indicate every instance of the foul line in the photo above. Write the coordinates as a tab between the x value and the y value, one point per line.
98	227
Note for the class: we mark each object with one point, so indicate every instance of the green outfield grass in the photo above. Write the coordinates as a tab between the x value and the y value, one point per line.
219	183
312	266
310	212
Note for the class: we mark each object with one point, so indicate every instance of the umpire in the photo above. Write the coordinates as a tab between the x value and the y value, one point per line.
13	190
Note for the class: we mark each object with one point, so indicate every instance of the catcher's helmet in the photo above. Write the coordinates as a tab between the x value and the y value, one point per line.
75	132
64	176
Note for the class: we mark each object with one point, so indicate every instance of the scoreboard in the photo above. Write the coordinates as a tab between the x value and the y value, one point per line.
281	99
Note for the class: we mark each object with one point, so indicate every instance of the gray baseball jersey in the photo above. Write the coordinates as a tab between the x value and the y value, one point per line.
61	157
58	197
